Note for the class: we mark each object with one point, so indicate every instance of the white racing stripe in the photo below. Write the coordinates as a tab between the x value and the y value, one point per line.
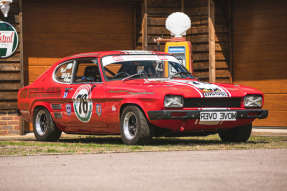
204	89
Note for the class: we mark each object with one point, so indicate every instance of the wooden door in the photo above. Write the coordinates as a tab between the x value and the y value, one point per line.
260	56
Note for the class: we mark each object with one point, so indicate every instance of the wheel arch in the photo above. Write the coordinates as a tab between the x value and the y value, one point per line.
123	106
36	106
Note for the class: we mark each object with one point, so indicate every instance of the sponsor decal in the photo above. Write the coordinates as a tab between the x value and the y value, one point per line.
114	108
8	39
41	92
56	106
82	103
58	115
203	88
99	109
210	90
68	109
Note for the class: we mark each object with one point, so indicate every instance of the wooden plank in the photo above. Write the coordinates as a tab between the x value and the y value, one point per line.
228	81
145	27
197	56
36	71
14	58
161	3
205	65
275	102
219	73
8	105
201	29
155	47
8	67
42	61
10	76
203	47
221	65
220	56
211	39
161	11
202	11
266	86
8	95
203	38
275	119
9	86
160	21
195	3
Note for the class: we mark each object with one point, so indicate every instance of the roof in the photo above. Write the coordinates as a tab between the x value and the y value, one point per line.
114	52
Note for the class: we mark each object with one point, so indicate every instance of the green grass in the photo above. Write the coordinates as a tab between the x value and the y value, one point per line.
75	144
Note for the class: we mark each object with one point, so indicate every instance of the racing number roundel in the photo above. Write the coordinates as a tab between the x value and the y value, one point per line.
82	103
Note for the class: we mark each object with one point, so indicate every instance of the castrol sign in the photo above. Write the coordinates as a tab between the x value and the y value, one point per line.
8	39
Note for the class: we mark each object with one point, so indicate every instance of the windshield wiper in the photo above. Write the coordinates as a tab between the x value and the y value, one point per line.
134	75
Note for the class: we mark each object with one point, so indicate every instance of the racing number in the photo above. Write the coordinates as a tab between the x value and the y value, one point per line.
83	103
83	106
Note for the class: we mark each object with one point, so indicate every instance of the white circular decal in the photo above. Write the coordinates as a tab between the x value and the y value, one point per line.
8	39
82	103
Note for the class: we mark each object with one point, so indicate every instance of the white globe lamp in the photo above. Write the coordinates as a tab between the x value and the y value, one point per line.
177	24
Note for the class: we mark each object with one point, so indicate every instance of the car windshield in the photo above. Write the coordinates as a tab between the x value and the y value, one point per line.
127	67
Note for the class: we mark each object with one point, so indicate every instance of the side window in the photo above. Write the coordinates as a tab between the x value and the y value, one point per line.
64	72
87	70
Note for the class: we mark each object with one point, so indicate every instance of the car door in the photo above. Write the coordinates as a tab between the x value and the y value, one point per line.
84	98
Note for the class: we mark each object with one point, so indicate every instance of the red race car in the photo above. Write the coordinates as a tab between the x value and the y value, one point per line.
137	94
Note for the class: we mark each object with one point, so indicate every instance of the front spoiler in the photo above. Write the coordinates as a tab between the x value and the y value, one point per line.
195	114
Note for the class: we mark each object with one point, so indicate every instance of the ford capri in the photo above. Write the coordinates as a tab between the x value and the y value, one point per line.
138	95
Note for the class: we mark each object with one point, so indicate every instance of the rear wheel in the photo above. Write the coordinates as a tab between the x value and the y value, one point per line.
44	127
134	127
237	134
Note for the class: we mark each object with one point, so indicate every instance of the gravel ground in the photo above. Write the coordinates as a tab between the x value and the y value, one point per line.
182	170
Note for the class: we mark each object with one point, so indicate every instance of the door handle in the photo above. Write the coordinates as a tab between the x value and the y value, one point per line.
68	89
93	86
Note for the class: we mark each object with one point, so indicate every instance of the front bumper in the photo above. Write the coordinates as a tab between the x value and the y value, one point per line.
195	114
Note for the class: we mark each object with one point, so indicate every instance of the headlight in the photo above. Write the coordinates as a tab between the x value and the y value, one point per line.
173	101
253	101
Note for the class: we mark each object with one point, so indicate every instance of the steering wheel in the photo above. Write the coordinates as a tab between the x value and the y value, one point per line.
121	74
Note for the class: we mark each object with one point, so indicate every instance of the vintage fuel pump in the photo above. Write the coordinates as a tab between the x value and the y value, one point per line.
178	23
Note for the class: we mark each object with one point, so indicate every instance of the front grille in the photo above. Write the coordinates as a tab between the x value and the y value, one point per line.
212	102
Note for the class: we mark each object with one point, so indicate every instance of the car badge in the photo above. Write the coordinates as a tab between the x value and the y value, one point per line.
66	94
99	109
68	109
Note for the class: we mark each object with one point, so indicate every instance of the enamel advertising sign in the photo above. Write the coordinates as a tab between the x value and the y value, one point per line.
8	39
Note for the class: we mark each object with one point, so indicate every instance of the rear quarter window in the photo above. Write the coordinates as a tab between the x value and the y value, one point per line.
64	71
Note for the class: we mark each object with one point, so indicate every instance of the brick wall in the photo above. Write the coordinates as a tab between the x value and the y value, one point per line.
9	123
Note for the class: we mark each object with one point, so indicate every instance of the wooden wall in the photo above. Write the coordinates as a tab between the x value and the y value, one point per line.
198	35
55	29
260	56
197	10
10	68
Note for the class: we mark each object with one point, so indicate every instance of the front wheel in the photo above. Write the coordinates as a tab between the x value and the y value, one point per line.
236	134
44	127
134	127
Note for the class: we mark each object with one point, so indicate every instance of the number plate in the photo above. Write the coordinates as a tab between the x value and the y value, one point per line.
218	116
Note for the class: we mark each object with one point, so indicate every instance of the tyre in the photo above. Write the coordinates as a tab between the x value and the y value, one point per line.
134	127
236	134
44	127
